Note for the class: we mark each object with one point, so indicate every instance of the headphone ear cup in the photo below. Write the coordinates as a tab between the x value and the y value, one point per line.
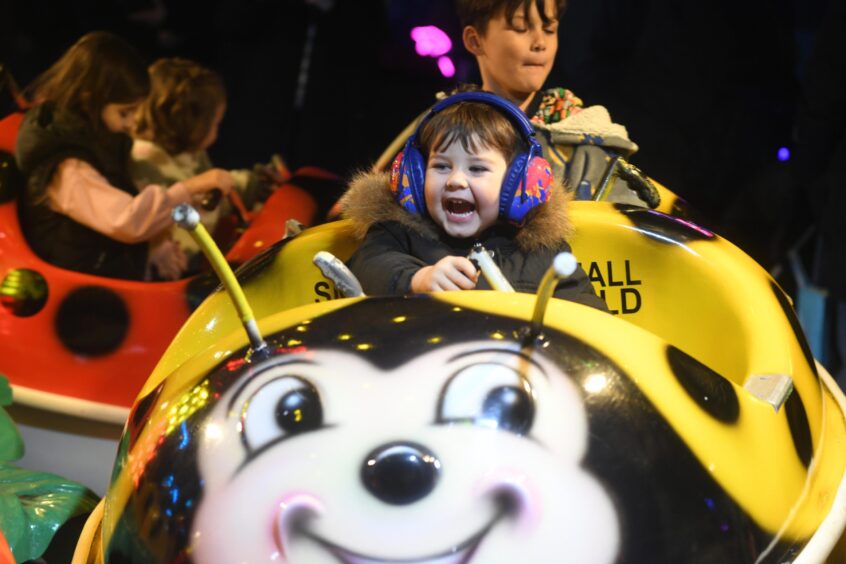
395	175
511	182
407	180
533	186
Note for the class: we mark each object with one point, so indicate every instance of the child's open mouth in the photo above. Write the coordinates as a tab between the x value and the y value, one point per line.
459	208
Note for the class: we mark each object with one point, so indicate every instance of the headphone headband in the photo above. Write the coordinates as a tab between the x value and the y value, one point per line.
511	110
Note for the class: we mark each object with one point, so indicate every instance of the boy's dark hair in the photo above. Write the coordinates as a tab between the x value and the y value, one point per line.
99	69
183	99
471	124
477	13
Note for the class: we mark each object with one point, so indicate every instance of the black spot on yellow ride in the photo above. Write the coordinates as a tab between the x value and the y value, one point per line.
713	393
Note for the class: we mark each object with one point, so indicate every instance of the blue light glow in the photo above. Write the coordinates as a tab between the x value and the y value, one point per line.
783	154
186	438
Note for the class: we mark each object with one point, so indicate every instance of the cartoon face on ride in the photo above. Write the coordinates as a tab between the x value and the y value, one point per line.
415	430
468	450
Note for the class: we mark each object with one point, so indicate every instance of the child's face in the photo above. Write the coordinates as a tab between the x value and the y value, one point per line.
515	59
211	136
462	189
120	118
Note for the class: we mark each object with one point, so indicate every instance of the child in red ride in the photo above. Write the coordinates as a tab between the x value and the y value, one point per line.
81	210
471	173
176	125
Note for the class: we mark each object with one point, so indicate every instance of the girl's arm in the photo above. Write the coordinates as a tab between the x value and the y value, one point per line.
83	194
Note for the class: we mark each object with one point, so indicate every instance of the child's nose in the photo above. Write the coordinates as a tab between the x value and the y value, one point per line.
538	40
456	180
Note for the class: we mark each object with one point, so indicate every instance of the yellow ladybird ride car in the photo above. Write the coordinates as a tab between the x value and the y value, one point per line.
690	425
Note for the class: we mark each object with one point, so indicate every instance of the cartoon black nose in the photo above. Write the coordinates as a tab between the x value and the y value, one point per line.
400	473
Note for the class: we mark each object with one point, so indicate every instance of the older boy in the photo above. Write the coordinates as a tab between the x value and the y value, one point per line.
515	43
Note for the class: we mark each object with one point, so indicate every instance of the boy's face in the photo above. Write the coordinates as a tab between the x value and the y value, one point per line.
462	189
515	57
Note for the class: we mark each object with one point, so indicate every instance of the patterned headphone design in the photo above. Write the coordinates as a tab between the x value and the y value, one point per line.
526	183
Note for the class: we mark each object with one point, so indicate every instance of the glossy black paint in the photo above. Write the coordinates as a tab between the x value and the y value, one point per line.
92	321
664	228
400	473
800	430
713	393
790	313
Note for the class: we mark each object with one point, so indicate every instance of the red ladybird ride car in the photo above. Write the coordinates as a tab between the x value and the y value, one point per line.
80	344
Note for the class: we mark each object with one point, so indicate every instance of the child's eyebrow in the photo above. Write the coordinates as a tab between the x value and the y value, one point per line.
477	158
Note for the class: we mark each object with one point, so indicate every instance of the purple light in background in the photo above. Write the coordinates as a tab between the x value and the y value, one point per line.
446	67
430	41
783	154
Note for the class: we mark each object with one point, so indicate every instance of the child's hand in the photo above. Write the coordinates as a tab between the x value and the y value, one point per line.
215	178
449	273
261	184
168	259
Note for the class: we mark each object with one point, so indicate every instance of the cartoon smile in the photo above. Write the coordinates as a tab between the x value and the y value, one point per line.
459	554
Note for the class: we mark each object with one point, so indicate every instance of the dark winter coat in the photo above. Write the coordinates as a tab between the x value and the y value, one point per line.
396	244
46	138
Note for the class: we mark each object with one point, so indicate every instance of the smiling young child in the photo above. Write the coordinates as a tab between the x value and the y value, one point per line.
471	173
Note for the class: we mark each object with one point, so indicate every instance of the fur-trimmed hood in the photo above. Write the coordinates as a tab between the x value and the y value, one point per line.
369	201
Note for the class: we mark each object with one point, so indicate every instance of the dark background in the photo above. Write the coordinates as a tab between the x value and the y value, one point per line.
708	90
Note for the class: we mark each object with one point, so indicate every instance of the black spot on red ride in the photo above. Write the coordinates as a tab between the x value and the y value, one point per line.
664	228
797	419
92	321
11	180
795	325
713	393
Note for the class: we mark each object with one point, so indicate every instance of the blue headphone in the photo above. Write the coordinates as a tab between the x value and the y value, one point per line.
526	183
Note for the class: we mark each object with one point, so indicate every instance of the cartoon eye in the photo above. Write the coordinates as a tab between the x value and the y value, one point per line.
281	408
491	395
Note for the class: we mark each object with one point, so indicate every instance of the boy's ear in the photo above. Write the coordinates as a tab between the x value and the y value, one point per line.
472	40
